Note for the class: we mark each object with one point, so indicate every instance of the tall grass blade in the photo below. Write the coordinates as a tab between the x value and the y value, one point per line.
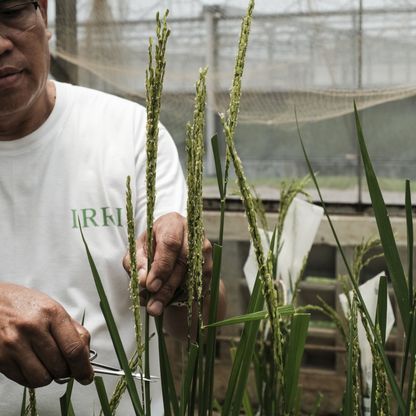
187	379
410	242
348	399
381	322
391	377
23	407
295	348
112	327
65	400
284	310
410	346
381	314
248	410
102	395
244	351
168	386
240	319
218	167
388	242
212	334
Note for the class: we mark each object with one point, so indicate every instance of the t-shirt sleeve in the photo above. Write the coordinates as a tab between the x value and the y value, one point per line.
170	182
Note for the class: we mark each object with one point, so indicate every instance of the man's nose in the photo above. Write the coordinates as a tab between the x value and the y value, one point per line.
5	44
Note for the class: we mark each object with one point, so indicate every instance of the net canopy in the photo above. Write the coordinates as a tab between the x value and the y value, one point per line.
317	56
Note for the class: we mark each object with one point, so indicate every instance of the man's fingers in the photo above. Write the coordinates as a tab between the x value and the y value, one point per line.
33	371
207	266
141	260
50	356
170	252
74	347
11	370
163	296
169	248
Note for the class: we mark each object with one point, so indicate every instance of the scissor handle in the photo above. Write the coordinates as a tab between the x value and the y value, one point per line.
64	380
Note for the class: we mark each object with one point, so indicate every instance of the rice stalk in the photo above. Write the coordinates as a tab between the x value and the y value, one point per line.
134	279
355	360
195	153
31	409
154	86
413	397
361	259
330	312
289	191
382	400
229	121
121	385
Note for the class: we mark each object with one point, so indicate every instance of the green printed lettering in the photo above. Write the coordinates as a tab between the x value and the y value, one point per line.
74	218
119	223
88	215
107	217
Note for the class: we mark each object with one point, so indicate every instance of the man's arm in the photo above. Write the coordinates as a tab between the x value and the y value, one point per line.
39	341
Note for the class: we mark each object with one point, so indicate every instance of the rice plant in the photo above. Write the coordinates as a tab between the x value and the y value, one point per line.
274	333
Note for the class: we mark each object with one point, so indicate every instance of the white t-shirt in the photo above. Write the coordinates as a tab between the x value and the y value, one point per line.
76	164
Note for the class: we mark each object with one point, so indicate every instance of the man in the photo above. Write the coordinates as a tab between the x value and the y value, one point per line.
65	153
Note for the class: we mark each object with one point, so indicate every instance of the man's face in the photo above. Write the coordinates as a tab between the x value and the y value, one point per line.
24	60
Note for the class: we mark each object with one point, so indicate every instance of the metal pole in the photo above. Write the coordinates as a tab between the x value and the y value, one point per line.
359	86
66	37
211	14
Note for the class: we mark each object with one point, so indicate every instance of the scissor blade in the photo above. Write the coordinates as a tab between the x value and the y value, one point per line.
120	373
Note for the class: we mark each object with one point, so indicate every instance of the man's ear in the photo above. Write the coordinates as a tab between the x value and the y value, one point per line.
44	9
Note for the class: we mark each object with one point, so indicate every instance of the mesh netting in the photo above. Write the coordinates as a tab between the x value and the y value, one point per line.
309	54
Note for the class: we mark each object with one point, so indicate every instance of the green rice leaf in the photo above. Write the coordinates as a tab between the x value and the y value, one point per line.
65	400
210	346
187	380
23	408
381	314
255	316
168	386
410	242
347	408
245	350
410	368
248	410
385	230
218	168
295	348
102	395
381	321
258	374
285	310
112	327
391	377
244	353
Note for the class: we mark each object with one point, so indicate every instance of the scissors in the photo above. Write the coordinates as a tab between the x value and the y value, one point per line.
109	370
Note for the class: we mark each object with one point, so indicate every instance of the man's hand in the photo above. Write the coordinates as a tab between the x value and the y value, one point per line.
39	341
168	269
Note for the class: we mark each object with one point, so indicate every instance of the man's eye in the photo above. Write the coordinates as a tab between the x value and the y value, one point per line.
13	13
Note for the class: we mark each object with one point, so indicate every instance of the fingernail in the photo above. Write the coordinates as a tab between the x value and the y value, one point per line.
155	285
141	275
155	308
87	381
